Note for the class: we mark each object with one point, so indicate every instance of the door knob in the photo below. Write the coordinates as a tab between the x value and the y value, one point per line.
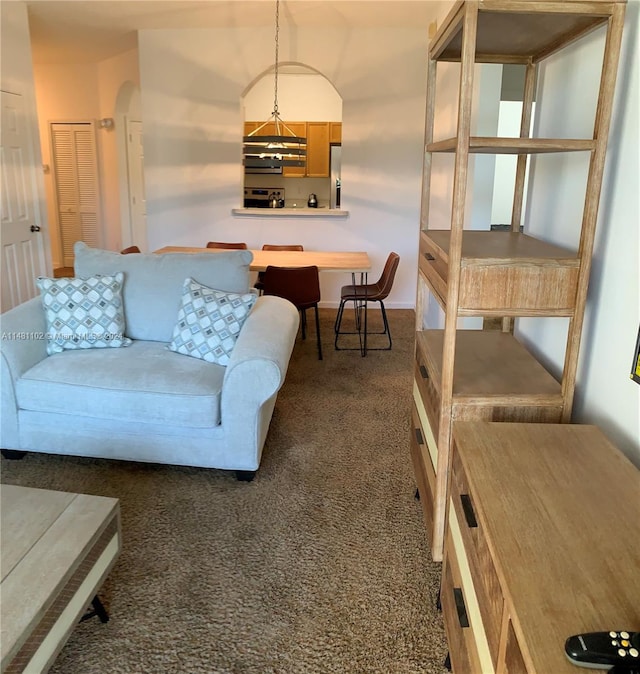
35	228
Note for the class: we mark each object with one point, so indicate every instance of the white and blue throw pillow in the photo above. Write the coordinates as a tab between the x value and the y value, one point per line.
83	313
209	322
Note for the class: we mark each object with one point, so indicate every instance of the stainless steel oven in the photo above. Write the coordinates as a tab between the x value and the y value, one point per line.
258	197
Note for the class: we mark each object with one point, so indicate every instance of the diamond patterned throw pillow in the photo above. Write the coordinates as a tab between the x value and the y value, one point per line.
83	313
209	322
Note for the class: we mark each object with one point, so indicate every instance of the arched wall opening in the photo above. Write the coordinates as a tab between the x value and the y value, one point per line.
304	95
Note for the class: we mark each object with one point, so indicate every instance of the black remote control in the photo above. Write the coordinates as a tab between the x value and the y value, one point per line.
603	650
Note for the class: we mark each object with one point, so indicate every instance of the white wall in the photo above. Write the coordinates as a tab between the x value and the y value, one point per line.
605	394
192	109
302	97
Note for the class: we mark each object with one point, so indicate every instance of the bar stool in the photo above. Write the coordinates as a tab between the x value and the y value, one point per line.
360	295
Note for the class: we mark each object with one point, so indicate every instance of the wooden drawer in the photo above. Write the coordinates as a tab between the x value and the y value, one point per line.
517	289
503	273
453	597
483	572
423	468
430	398
434	268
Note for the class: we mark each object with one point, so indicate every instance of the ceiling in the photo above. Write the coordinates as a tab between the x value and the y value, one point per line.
87	31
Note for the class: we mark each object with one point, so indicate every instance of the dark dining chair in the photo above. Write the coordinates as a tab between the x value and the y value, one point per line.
230	246
130	249
299	285
360	294
259	284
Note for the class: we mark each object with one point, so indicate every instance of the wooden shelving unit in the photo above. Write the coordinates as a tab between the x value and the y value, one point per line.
487	374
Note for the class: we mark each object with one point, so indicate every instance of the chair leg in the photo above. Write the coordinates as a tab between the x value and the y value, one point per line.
338	321
386	324
318	333
303	322
359	321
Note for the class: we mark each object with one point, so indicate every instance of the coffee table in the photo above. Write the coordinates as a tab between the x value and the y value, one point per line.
56	549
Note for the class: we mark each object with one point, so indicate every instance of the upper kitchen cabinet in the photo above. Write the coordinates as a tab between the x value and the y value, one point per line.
335	133
317	149
537	270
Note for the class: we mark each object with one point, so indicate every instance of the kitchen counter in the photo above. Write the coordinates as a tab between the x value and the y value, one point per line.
289	212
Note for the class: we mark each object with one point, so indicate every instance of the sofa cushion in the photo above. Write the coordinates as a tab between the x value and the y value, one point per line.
144	382
83	313
209	322
153	283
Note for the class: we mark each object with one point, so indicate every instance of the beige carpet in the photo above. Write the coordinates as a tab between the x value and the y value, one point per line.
321	565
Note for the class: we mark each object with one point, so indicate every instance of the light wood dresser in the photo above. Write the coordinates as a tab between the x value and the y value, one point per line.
541	543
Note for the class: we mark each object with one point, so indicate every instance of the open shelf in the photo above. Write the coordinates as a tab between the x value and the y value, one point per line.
514	32
494	145
495	379
491	368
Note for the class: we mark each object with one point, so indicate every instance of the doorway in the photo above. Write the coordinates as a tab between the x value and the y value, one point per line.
77	190
23	245
135	166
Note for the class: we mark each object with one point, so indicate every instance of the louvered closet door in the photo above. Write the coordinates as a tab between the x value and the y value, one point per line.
77	189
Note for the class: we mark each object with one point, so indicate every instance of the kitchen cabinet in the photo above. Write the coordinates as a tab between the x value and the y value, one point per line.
317	149
335	133
521	572
498	276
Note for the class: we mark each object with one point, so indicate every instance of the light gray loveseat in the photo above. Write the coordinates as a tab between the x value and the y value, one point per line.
144	402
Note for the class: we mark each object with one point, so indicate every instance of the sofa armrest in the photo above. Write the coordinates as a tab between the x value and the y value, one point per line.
255	374
23	345
261	355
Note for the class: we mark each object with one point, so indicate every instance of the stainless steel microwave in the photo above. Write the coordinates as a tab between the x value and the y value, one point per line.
263	169
260	165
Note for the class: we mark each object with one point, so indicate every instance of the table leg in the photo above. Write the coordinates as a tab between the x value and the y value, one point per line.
97	610
364	348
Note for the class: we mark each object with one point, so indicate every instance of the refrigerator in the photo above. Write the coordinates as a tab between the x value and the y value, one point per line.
335	160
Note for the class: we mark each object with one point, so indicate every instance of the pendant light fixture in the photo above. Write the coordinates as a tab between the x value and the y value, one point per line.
273	144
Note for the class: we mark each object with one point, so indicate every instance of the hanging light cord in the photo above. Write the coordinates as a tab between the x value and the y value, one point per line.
275	115
275	71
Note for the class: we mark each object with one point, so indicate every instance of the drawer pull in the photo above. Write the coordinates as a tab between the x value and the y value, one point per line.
429	257
419	437
424	372
461	609
469	514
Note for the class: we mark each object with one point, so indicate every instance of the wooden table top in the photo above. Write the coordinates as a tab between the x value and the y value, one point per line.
324	260
45	538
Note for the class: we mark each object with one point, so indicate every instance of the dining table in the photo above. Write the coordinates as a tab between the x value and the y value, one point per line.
352	262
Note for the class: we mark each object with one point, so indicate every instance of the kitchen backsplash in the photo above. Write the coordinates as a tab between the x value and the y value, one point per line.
297	190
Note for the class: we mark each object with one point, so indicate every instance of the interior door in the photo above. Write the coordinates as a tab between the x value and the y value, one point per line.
137	200
23	247
73	151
